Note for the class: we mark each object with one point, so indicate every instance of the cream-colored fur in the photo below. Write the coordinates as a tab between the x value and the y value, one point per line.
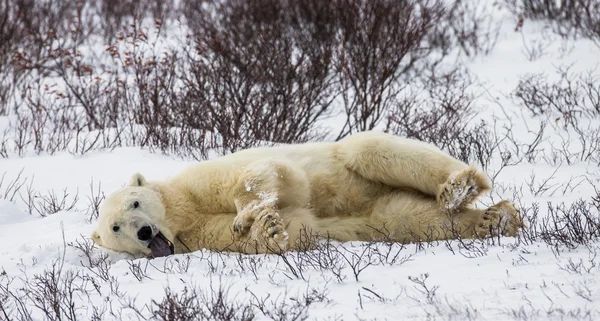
369	186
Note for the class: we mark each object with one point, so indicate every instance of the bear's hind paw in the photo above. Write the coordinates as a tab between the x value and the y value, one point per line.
500	219
462	189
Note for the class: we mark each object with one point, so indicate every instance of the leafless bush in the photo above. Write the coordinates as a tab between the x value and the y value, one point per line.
251	264
538	188
568	99
589	266
421	286
257	76
9	35
55	294
95	199
52	203
358	261
44	204
98	265
135	267
322	254
534	49
115	14
568	18
194	304
381	45
10	189
288	309
29	33
467	26
578	224
176	264
250	73
572	103
443	119
324	257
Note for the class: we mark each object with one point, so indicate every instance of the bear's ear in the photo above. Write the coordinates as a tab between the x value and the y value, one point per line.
96	237
137	180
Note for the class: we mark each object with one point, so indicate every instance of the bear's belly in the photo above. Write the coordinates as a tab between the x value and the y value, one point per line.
343	193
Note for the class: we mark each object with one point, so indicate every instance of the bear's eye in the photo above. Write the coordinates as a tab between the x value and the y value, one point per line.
116	228
136	204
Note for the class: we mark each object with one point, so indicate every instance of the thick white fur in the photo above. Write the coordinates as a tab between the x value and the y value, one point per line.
368	186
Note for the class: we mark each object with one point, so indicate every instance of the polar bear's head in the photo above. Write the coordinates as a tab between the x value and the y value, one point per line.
132	220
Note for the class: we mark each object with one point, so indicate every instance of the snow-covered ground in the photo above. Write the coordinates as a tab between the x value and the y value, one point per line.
501	279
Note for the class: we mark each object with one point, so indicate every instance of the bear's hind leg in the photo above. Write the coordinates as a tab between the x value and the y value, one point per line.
410	164
462	189
411	217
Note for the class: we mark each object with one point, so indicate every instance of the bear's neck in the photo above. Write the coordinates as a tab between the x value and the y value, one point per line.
177	208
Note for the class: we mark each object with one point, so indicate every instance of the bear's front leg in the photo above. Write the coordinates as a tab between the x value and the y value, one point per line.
263	188
260	229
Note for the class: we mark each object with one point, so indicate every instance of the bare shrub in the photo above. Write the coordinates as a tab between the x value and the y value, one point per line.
534	49
567	100
10	189
322	254
381	41
135	267
49	118
573	104
51	202
94	200
568	18
421	286
114	15
443	119
581	266
132	100
9	38
251	72
55	294
467	26
283	308
257	76
570	226
314	254
194	304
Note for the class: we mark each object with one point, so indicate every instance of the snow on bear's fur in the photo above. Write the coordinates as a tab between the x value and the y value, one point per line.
368	186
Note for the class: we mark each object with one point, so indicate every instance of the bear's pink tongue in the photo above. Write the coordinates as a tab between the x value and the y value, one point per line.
160	246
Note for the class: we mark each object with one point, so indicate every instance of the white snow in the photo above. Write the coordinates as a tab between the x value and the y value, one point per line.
489	282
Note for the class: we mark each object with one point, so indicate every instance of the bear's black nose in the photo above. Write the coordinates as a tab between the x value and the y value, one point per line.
145	233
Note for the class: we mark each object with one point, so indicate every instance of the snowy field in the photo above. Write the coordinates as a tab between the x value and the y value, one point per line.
44	257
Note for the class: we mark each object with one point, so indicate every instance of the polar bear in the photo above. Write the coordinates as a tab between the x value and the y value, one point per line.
368	186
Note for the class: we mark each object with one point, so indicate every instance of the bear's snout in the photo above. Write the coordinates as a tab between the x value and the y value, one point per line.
144	233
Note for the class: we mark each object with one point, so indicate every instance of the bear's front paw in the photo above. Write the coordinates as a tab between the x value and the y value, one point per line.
261	229
242	223
500	219
246	217
270	229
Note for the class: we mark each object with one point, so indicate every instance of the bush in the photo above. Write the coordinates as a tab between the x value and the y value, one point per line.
567	18
234	74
